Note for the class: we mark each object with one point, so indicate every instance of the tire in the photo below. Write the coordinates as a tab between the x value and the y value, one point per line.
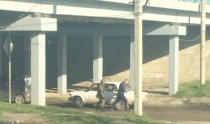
78	102
19	99
120	105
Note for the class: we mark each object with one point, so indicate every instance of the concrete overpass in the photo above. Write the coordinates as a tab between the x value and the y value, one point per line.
161	17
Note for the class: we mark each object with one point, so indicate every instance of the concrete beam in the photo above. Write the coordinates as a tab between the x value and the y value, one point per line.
38	69
56	6
125	30
172	4
62	64
166	30
32	24
118	1
173	64
27	55
171	11
97	58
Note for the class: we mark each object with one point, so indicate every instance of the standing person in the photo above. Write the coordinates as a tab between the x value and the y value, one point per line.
100	95
120	95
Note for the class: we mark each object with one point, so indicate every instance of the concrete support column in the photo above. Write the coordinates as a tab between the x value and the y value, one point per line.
38	68
1	50
62	64
27	56
132	64
173	64
97	58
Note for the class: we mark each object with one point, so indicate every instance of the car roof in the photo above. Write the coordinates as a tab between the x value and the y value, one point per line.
115	83
112	82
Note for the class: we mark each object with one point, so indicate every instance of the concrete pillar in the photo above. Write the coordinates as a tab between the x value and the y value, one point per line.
1	50
62	64
27	56
173	64
38	69
132	64
97	58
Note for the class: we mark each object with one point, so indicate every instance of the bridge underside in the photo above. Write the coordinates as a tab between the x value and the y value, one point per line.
36	27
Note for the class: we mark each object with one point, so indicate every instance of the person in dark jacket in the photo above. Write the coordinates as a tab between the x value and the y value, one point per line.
100	96
120	94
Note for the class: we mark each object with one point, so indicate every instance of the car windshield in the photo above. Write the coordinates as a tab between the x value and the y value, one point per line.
107	87
93	87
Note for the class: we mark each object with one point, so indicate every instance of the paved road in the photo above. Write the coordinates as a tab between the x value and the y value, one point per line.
180	113
186	114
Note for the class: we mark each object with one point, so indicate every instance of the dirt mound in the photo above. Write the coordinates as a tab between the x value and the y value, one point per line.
148	80
119	76
56	98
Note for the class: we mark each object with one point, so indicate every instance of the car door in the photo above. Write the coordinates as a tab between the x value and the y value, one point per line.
110	93
92	92
130	97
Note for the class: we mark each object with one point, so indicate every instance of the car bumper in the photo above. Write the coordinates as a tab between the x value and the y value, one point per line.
27	97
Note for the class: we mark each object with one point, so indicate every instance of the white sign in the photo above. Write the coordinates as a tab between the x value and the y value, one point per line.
6	46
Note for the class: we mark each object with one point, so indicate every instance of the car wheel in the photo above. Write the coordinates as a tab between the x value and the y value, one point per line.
78	102
19	99
120	105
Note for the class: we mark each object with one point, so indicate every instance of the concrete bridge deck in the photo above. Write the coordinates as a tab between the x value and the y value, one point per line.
154	10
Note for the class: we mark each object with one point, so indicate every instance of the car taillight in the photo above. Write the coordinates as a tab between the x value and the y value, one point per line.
28	94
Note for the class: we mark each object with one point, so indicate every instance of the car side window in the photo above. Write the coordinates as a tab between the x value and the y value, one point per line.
110	87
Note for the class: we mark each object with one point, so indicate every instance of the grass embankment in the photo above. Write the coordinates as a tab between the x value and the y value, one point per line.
59	115
1	118
194	90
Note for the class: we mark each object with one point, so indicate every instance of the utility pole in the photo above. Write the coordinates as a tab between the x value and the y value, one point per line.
10	73
8	47
138	56
203	43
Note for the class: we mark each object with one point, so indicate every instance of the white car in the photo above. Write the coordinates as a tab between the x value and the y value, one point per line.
80	98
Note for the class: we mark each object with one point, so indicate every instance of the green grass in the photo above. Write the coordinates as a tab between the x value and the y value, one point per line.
194	90
1	118
59	115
